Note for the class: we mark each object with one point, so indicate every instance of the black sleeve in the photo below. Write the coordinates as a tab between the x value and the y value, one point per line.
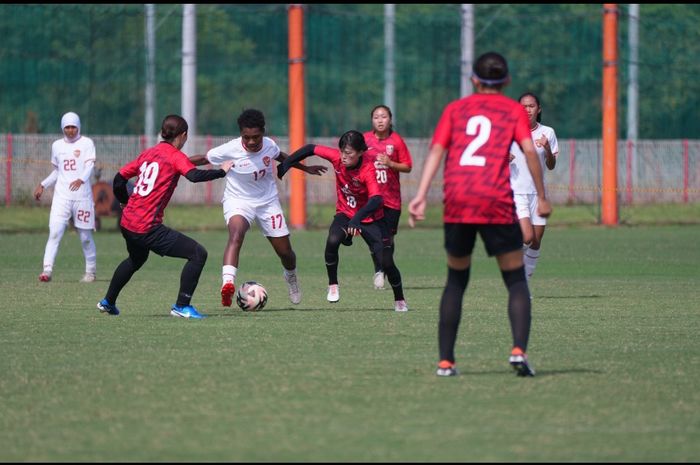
195	175
296	157
119	188
372	204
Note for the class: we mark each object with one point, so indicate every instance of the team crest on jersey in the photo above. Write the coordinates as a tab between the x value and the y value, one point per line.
76	153
266	160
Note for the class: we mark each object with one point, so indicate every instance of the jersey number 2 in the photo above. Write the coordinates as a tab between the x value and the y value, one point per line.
479	126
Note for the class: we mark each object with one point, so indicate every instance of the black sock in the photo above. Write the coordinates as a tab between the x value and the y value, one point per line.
519	311
451	311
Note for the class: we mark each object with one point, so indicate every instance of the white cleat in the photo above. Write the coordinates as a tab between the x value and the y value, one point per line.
400	306
378	280
88	278
333	293
294	291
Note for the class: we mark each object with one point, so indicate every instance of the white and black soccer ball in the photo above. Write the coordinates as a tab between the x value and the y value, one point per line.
251	296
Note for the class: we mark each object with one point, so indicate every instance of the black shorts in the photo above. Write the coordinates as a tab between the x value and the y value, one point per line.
376	234
391	217
498	238
160	240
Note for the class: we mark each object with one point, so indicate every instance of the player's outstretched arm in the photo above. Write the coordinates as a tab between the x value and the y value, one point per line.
199	160
195	175
296	157
316	170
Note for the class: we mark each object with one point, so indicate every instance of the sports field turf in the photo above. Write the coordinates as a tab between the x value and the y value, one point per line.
616	314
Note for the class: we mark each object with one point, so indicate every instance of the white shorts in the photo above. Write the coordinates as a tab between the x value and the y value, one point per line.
82	212
526	207
269	217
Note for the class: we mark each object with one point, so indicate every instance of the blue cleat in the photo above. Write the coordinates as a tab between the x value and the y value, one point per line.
188	311
106	307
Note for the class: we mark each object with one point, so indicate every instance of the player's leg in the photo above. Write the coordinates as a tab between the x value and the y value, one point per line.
336	234
378	277
504	242
459	243
171	243
271	220
532	254
238	216
58	220
138	254
377	234
84	222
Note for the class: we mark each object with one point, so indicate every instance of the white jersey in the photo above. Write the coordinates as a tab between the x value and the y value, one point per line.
72	160
520	178
252	177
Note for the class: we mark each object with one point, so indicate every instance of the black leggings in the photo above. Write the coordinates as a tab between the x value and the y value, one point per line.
165	242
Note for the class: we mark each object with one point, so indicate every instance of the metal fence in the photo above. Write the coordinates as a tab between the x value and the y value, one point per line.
650	171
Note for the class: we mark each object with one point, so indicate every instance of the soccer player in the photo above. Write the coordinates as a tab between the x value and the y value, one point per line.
476	132
251	195
358	209
158	169
524	191
73	160
390	157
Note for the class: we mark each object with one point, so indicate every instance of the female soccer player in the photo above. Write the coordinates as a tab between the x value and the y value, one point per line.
158	169
390	157
358	209
73	160
524	191
251	195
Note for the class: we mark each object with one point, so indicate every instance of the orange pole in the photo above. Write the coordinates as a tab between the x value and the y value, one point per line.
609	197
297	195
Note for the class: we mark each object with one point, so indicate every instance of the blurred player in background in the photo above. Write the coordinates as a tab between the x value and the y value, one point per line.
251	195
73	159
358	209
388	151
524	190
158	169
476	132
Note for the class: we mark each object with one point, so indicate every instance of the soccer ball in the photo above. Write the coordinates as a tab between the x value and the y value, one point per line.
251	296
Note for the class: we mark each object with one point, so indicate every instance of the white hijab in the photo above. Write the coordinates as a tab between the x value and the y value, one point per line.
70	119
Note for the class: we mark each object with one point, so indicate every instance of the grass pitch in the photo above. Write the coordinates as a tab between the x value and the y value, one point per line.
616	314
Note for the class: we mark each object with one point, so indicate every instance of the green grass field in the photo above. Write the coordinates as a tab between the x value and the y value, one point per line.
616	314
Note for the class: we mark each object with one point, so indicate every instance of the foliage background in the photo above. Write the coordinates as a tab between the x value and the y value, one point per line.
91	59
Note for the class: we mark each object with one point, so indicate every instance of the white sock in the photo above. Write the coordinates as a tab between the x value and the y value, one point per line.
288	273
228	274
89	250
530	259
55	235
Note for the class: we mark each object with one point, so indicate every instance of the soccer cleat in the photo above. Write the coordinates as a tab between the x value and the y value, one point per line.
518	360
446	368
88	278
227	292
333	293
45	276
379	280
106	307
293	285
400	306
188	311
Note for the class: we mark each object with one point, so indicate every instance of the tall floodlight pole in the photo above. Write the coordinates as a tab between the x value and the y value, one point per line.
633	90
150	91
189	72
389	65
297	111
609	197
467	41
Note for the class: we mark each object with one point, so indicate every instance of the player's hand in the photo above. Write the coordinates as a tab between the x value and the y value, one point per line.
544	208
316	170
353	229
384	159
416	211
543	142
75	185
227	165
38	191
